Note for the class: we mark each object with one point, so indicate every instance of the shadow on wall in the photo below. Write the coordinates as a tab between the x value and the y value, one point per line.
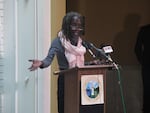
124	41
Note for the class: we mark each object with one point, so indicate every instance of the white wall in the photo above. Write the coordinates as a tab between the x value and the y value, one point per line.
27	36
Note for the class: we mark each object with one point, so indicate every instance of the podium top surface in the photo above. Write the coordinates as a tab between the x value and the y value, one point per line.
84	67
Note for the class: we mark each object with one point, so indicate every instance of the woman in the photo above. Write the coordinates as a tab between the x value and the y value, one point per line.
67	46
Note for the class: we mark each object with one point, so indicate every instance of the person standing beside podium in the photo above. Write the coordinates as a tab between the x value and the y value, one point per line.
68	48
142	53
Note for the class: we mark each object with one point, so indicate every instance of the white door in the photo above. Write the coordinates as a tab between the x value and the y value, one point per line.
26	37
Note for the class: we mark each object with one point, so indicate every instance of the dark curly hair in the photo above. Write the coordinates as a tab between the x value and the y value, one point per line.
67	21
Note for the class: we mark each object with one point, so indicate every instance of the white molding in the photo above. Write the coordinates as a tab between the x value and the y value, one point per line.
16	54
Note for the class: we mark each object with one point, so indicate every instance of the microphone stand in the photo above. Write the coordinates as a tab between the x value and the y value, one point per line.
118	73
120	84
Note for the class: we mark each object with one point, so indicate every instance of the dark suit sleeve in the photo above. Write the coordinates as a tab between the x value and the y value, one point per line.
139	46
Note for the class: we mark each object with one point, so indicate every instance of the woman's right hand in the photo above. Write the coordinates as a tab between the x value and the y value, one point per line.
35	64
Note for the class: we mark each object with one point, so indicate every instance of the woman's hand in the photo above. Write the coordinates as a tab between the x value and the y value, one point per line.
35	64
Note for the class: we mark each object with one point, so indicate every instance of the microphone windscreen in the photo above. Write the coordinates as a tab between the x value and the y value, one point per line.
85	45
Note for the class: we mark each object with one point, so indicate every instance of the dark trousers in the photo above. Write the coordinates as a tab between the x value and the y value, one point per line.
60	95
146	89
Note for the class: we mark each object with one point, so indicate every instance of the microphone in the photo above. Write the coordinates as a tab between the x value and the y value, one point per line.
86	45
102	53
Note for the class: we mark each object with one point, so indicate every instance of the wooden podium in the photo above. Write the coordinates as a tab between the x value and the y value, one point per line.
72	91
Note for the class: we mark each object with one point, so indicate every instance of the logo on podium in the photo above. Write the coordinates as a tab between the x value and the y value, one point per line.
92	91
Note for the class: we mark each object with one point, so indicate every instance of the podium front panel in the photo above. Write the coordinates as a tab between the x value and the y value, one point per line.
73	90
